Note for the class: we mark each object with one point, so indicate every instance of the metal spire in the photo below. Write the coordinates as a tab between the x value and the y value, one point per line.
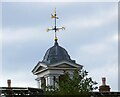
55	28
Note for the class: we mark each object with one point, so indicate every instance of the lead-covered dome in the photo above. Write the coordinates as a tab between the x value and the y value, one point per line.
56	54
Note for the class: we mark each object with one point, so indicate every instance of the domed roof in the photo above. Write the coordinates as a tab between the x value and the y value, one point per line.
56	54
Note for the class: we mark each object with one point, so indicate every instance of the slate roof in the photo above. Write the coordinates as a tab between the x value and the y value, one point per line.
56	54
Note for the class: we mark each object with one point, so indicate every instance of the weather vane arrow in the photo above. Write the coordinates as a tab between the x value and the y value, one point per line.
55	28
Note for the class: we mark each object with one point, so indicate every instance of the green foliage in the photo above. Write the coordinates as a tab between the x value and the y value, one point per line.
79	84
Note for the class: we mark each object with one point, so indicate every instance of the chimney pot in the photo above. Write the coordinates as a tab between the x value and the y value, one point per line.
104	87
103	81
9	82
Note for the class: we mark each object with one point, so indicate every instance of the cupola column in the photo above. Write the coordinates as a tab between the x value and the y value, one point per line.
46	80
50	80
57	81
39	82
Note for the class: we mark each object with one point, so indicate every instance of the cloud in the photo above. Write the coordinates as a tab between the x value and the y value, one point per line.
98	19
102	47
19	79
11	35
0	37
115	38
96	49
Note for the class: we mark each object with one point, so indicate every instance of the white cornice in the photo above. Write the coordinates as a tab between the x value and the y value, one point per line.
69	63
37	66
35	73
54	67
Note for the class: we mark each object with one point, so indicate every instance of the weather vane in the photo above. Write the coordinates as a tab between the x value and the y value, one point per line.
55	28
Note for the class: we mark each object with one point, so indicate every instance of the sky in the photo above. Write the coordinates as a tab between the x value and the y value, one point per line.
90	38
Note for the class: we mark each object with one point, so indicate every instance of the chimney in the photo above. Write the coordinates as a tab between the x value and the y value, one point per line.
9	83
103	81
104	87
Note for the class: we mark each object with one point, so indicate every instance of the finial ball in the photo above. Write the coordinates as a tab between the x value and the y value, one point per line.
56	39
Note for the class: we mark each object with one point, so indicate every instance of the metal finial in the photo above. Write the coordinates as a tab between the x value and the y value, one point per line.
55	28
